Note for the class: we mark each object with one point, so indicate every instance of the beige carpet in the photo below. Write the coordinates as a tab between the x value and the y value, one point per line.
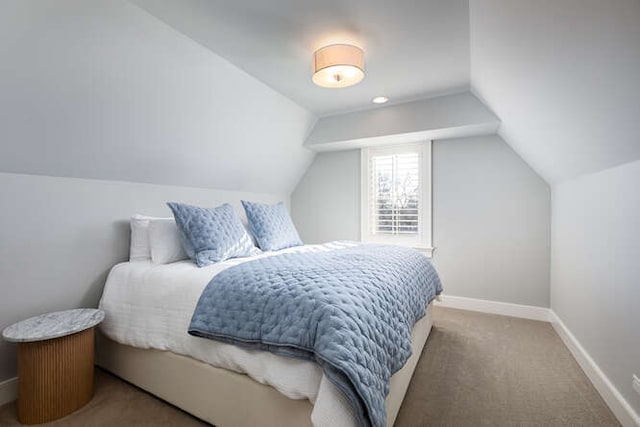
476	370
487	370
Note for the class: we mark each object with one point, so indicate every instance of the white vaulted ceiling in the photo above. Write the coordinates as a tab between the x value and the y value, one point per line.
414	48
564	78
103	90
561	75
218	94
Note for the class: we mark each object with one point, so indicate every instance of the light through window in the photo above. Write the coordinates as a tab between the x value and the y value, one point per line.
396	194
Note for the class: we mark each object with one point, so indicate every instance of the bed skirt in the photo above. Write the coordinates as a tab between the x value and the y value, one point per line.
226	398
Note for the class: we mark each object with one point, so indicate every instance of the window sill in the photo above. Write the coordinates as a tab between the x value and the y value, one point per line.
427	251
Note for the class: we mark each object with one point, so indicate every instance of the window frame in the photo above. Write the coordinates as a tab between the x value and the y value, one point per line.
423	241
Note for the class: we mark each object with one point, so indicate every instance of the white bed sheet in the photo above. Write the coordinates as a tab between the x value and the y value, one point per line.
150	306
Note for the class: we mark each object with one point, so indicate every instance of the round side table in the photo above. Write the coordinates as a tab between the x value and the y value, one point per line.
55	363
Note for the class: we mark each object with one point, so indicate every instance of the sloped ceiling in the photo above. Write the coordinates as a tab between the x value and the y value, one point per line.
564	78
413	48
108	90
104	90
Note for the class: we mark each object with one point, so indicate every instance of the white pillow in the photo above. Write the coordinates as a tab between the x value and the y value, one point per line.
164	240
139	249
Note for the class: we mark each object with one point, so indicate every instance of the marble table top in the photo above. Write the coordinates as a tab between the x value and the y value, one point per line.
53	325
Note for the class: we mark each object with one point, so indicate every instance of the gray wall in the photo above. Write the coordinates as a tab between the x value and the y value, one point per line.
491	217
595	269
325	205
60	236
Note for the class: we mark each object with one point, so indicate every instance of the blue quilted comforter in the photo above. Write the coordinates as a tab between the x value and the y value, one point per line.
351	310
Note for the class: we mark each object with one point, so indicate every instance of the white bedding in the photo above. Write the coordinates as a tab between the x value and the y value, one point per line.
150	306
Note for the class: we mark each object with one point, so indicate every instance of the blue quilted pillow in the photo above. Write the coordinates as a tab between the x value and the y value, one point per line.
211	235
271	225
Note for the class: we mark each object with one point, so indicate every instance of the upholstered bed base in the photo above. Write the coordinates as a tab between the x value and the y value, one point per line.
226	398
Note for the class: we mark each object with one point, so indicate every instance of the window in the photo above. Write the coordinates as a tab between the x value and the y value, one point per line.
396	195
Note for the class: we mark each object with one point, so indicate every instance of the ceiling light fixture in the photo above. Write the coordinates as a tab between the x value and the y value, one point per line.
338	65
379	99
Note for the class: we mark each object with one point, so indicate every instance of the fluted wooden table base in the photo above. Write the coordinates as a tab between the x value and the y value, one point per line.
55	377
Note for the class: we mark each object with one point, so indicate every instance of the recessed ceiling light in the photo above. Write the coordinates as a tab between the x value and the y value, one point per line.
379	99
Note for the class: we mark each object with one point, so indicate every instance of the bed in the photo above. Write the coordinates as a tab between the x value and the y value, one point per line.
144	341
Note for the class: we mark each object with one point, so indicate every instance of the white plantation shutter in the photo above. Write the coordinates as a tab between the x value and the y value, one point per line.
395	193
397	203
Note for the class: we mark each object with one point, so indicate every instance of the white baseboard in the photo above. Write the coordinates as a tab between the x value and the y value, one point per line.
8	391
617	403
495	307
